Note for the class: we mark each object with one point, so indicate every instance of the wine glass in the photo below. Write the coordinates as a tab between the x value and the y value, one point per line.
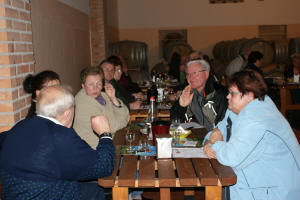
130	137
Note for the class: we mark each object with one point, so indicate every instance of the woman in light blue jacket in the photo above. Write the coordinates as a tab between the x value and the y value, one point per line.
257	142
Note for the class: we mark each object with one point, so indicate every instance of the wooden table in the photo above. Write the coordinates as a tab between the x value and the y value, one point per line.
143	113
165	174
286	99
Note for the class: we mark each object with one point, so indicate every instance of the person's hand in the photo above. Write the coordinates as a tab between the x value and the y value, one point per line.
208	150
216	135
110	90
100	124
135	105
186	96
139	96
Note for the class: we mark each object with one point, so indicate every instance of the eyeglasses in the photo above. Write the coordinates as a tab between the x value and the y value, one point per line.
234	93
195	73
93	85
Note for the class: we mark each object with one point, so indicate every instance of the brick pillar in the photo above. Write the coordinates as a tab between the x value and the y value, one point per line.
97	31
16	60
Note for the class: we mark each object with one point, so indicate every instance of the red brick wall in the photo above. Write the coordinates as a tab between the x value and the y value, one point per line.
97	28
16	60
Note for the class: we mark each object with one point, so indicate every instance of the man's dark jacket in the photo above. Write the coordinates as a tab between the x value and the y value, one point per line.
208	106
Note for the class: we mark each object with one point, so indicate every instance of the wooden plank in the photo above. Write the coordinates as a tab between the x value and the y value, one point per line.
127	173
120	193
225	173
205	172
119	137
186	173
109	181
165	193
146	176
166	173
213	193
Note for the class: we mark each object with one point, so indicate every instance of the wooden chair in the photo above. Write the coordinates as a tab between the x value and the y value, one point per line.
286	99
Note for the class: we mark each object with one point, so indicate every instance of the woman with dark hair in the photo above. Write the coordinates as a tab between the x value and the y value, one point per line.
254	61
34	84
257	142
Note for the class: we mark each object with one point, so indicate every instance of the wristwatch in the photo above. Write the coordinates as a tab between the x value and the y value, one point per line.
106	134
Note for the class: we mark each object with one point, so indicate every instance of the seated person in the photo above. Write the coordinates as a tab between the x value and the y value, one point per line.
203	98
108	67
43	158
126	80
33	85
257	142
138	95
254	61
90	101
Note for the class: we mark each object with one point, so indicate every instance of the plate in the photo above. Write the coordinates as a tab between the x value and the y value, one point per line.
182	135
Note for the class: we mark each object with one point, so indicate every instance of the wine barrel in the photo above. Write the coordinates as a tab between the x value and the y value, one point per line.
264	47
182	48
281	50
294	46
134	52
219	51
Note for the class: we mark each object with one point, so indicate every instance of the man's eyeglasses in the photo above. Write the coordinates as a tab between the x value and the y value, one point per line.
195	73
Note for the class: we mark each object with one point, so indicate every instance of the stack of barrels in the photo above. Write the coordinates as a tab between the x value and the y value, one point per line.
274	52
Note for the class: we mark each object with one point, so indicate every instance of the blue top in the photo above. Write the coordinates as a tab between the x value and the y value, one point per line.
263	152
44	160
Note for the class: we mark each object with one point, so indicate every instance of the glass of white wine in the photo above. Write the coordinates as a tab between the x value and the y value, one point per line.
130	137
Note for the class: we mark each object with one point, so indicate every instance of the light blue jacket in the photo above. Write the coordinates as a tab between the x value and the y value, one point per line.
263	152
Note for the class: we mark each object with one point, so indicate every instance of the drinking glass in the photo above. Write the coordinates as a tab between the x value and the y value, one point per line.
176	133
130	137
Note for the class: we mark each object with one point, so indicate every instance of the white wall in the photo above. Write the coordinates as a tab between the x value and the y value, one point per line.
186	13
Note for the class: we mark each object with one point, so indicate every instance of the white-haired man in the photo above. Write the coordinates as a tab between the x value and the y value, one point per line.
203	97
43	158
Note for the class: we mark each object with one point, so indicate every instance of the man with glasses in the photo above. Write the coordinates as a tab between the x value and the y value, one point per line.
203	98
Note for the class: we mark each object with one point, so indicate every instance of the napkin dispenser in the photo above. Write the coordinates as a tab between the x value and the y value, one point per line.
164	147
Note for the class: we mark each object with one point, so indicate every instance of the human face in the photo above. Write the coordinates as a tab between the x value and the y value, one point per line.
109	71
118	73
196	76
93	85
237	101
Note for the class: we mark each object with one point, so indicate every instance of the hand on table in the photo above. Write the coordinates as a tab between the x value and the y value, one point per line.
208	150
186	96
135	105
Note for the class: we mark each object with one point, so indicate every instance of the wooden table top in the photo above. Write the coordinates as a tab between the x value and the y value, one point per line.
134	172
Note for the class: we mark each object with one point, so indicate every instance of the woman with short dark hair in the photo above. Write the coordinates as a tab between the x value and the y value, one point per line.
254	61
33	84
257	142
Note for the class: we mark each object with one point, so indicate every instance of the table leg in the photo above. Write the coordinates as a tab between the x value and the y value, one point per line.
213	192
120	193
165	194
